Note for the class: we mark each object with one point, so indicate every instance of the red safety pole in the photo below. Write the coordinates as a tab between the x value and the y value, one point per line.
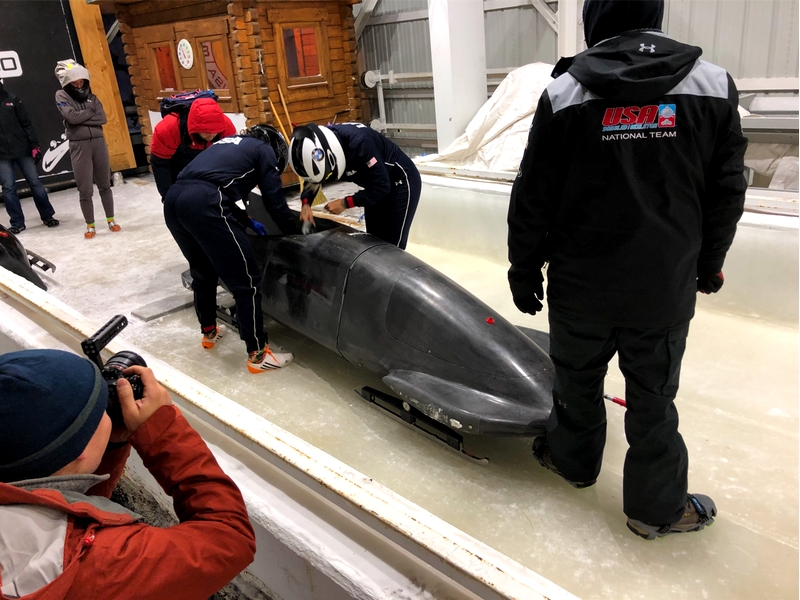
616	400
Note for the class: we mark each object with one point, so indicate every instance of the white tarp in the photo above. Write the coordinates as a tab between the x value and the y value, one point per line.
495	138
775	165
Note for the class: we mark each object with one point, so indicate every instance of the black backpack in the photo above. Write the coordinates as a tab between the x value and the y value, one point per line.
180	104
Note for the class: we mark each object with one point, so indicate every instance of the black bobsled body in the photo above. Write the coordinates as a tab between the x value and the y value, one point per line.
14	257
432	342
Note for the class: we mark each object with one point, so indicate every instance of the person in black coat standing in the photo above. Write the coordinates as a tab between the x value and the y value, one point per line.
20	146
630	189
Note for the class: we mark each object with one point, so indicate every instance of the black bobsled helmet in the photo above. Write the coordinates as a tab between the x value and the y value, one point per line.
269	135
316	154
604	19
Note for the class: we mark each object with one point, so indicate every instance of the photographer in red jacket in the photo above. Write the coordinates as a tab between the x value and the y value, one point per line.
173	147
61	538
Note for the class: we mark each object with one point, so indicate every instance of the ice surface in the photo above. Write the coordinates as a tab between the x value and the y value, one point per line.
738	406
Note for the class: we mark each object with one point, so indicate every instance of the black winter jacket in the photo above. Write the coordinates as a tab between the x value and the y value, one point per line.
631	183
17	137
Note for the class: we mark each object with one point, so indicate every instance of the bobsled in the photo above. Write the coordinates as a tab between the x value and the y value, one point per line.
456	366
18	260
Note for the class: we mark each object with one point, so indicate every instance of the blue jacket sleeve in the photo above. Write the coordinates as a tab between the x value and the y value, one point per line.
272	192
533	196
377	184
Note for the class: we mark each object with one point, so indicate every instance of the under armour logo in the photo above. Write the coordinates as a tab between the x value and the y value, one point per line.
651	47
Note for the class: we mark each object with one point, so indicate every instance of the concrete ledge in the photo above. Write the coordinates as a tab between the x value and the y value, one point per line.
324	530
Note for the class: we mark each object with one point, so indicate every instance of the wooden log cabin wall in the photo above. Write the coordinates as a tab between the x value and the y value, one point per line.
250	52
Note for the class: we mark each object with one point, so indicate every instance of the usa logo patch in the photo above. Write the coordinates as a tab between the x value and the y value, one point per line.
666	115
632	118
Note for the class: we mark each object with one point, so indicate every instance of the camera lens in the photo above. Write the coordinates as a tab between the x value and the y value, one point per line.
112	371
122	360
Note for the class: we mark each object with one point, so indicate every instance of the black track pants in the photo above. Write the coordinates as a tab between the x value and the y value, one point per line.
216	247
656	465
390	218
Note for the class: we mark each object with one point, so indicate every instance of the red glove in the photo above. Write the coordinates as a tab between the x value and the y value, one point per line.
36	153
710	284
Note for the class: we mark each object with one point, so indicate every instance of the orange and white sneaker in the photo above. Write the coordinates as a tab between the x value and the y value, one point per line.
112	225
266	359
90	232
213	336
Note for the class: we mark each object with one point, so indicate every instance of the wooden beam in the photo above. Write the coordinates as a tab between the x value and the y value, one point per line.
363	17
96	55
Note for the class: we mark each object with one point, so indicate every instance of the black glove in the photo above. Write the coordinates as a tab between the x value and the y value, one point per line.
528	304
710	284
531	302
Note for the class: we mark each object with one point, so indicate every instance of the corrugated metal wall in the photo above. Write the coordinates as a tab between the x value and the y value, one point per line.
750	38
392	7
518	36
514	37
403	47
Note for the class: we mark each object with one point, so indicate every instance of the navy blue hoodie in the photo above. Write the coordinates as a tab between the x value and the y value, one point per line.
370	159
236	165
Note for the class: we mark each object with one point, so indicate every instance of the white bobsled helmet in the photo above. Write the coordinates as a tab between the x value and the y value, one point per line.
316	154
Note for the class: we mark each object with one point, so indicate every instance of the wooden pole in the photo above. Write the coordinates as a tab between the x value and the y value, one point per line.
277	118
283	131
320	198
283	101
97	58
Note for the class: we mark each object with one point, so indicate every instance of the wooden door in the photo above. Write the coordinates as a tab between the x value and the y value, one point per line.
209	39
162	62
210	67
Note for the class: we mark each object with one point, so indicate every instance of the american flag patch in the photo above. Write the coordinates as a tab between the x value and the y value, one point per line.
372	162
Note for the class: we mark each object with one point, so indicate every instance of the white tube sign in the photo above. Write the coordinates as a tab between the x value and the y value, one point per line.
9	64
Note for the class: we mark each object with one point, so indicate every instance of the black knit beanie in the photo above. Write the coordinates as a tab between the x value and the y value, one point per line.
51	403
604	19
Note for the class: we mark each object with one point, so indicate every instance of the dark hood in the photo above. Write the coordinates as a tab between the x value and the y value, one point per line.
636	66
79	94
603	19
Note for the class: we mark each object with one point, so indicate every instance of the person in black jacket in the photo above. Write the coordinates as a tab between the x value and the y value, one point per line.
19	145
204	211
630	187
354	152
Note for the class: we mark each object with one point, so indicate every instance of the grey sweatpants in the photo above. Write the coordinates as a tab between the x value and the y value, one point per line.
90	163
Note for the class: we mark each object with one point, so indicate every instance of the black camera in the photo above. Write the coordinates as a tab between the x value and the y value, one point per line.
112	370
